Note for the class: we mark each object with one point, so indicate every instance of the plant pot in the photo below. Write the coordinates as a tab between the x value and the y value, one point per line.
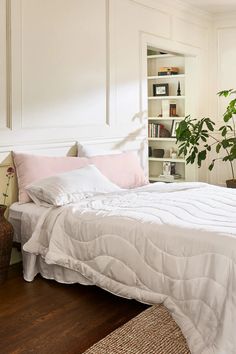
231	183
6	237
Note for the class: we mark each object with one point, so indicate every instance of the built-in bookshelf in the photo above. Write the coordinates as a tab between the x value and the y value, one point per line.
166	83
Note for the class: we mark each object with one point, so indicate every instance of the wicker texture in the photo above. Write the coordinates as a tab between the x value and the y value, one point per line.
152	332
6	236
231	183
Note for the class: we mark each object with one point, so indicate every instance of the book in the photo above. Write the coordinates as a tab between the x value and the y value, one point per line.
170	177
173	112
165	108
154	130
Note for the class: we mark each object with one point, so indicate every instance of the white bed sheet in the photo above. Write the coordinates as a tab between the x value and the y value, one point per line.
16	212
24	218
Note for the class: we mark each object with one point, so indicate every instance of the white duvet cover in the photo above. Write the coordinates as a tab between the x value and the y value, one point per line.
171	243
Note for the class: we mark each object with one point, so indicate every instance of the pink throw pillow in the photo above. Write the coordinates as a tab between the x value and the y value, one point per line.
30	168
122	169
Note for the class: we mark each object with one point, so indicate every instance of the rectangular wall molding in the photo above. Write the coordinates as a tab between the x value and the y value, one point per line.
62	78
4	124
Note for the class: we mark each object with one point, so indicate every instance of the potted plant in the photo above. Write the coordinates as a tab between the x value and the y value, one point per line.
196	138
6	231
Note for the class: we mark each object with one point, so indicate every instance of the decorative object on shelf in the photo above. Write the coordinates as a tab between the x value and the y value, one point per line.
164	133
159	153
169	171
149	151
164	71
6	232
173	153
166	168
173	110
165	108
172	168
196	136
161	90
174	127
178	90
169	168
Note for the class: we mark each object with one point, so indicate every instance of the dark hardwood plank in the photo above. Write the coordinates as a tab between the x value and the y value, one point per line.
48	317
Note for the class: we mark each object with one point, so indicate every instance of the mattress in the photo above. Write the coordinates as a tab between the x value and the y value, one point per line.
24	218
16	212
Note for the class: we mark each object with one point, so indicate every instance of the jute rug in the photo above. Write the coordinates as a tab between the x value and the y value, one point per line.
152	332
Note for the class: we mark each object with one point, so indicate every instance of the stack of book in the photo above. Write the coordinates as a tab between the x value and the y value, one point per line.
170	177
164	71
154	130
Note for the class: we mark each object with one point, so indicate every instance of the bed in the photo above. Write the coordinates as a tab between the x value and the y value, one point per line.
24	218
170	243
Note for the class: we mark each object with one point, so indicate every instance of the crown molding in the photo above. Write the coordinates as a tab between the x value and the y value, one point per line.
173	6
225	16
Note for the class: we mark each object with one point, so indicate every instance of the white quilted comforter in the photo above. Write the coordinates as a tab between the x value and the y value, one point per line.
172	243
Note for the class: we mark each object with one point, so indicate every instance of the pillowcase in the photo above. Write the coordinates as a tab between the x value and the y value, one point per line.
70	187
89	151
122	169
30	168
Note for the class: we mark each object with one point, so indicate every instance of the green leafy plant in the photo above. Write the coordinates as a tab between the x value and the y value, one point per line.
196	137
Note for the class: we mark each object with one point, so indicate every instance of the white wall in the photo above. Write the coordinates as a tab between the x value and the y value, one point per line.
223	70
76	68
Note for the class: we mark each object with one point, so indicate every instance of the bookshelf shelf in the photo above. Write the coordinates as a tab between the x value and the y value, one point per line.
160	56
156	159
166	180
165	118
162	139
166	98
161	77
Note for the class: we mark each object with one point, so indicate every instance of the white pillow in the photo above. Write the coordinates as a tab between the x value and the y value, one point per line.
89	151
70	187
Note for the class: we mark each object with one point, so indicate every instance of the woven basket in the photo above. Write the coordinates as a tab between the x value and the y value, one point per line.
6	237
231	183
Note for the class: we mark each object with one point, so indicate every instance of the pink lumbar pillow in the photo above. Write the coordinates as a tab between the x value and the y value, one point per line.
30	168
89	151
122	169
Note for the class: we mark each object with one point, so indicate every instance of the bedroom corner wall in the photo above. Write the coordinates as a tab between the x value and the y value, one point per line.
72	69
223	72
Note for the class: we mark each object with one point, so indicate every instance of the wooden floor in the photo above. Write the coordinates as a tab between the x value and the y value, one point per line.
48	317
